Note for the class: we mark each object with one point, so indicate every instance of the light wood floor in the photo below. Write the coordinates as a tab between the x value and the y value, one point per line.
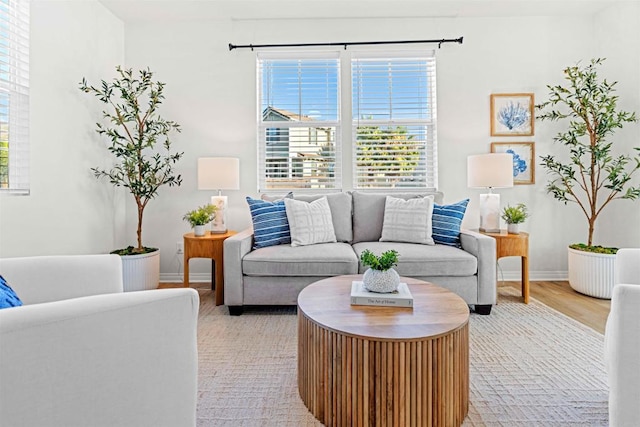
558	295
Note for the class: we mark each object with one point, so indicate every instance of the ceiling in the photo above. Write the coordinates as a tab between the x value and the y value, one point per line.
137	11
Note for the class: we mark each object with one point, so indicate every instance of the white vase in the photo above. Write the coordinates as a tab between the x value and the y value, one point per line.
591	273
141	272
513	229
381	281
198	230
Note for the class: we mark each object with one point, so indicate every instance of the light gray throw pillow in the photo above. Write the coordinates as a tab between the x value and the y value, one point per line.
408	220
310	222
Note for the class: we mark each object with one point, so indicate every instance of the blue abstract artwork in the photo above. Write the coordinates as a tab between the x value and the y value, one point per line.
519	164
512	114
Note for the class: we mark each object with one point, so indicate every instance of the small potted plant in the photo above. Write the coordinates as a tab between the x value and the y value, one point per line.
200	217
514	215
380	277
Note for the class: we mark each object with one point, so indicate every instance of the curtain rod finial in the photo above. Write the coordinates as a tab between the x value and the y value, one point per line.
231	47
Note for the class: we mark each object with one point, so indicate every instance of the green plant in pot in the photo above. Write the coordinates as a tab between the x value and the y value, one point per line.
139	139
200	217
380	277
593	176
514	215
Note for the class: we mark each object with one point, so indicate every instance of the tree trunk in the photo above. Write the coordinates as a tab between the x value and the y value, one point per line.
139	231
592	223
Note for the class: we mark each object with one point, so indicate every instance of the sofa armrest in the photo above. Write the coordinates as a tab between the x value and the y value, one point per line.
41	279
127	359
235	248
622	355
484	249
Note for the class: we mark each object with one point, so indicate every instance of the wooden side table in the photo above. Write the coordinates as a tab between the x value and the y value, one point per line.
208	246
514	245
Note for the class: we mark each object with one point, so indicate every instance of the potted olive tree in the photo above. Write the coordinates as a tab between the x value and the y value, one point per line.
139	138
593	176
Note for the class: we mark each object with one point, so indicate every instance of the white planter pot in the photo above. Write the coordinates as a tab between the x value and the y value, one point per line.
141	272
198	230
513	229
381	281
591	274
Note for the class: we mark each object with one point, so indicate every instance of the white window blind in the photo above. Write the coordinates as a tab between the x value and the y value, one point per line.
14	96
394	121
298	121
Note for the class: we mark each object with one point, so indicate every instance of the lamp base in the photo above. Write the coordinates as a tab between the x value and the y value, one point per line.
219	223
490	213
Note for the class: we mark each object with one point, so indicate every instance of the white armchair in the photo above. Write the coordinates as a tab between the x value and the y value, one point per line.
622	342
80	352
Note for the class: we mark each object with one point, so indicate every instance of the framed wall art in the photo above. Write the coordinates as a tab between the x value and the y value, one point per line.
523	160
512	114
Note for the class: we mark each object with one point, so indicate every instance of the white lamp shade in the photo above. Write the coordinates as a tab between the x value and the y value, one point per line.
218	173
494	170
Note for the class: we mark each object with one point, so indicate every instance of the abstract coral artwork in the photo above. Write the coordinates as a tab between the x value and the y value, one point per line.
523	159
512	114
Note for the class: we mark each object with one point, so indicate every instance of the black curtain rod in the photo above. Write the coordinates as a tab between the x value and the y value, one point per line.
345	44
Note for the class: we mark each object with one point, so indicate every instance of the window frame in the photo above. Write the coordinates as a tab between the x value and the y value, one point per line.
347	125
14	83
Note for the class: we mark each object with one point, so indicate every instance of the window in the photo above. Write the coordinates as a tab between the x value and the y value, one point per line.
394	122
14	96
299	122
392	116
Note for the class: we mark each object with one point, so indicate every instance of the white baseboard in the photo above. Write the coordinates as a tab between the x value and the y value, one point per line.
511	275
177	277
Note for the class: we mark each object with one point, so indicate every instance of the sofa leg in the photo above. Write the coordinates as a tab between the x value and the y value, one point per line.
484	309
235	310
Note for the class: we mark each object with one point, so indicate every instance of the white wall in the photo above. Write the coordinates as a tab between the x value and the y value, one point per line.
68	211
211	92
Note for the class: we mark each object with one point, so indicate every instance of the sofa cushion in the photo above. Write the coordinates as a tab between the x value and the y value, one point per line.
8	297
408	220
309	222
446	222
270	224
368	212
424	260
341	209
324	259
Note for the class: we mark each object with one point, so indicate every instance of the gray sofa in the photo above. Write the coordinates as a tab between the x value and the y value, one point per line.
275	275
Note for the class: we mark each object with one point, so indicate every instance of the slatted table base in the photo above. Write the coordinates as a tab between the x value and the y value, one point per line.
347	380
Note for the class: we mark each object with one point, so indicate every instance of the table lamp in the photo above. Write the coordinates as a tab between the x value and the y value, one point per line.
219	173
494	170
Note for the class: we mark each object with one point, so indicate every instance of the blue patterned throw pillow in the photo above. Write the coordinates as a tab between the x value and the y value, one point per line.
8	297
446	222
270	225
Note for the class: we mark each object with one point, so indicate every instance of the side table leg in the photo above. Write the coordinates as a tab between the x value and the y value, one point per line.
525	279
219	281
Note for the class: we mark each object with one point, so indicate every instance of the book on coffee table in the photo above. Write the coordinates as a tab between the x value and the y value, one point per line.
400	298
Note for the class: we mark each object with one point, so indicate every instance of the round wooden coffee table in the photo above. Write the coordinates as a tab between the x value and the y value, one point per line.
365	365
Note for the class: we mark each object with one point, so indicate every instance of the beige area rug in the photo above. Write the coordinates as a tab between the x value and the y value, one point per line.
530	366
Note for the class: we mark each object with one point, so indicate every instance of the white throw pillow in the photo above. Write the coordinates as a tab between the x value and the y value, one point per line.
310	222
408	220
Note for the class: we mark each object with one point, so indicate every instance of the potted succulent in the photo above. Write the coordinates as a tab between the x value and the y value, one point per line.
139	139
200	217
514	215
593	176
380	277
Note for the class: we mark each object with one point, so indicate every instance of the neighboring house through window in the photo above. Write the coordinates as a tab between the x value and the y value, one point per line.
393	120
14	96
